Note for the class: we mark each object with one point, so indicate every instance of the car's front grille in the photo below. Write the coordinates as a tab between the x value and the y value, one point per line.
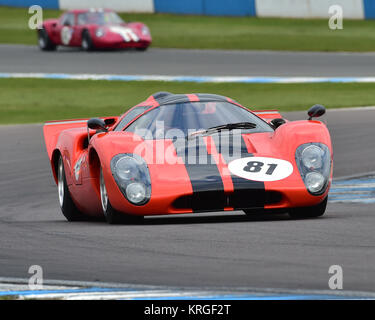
212	200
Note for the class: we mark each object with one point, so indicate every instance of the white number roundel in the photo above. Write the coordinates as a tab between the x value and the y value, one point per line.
66	35
261	168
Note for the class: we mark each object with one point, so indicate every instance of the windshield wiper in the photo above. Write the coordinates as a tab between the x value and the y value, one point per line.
228	126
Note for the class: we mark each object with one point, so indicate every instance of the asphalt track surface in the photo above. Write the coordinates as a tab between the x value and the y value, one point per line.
29	59
205	250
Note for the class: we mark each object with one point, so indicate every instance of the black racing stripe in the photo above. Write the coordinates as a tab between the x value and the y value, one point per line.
230	145
246	193
205	178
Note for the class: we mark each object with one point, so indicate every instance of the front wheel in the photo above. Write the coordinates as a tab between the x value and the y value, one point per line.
67	205
44	41
87	44
309	212
112	216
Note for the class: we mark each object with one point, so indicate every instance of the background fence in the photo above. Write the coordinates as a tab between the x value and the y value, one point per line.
354	9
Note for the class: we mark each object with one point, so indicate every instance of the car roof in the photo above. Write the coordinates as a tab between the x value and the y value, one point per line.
77	11
165	98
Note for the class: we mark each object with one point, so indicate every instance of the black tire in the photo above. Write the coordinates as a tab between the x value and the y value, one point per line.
44	41
309	212
86	43
67	205
111	215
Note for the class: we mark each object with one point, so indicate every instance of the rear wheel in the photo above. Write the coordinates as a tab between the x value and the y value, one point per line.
44	41
309	212
111	215
67	205
86	44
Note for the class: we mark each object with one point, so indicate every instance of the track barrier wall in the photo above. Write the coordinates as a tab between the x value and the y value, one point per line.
353	9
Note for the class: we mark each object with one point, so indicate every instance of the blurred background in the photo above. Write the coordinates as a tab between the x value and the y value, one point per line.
245	38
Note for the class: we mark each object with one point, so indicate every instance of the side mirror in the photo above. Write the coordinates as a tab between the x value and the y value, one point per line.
316	111
275	123
97	124
110	121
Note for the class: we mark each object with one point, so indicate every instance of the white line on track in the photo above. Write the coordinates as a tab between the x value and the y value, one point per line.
80	290
183	78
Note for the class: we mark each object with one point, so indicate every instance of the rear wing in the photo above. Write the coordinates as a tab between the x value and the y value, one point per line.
267	115
52	130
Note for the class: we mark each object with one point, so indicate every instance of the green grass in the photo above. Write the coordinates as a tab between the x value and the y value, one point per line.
39	100
8	297
179	31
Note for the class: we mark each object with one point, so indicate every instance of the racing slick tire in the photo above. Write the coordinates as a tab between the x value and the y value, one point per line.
86	44
67	205
44	41
309	212
111	215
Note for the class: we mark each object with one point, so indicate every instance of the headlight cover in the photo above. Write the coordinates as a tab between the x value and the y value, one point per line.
132	176
314	164
145	31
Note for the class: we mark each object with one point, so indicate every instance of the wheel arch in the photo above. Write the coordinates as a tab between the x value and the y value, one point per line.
54	162
94	166
85	30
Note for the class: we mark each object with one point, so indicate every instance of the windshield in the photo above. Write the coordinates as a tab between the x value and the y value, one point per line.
101	18
194	116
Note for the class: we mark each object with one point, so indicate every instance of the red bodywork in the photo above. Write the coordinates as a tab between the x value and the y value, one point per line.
171	182
124	35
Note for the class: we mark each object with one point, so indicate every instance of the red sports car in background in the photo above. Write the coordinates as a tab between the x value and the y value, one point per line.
93	29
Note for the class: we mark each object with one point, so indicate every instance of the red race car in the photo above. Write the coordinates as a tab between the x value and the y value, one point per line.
93	29
186	153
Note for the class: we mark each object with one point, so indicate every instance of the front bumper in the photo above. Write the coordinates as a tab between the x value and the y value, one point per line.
177	202
117	42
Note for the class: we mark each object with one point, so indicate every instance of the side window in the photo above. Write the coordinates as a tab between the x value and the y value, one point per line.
82	19
130	116
67	19
144	123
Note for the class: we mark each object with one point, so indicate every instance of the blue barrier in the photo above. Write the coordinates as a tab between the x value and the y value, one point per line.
176	6
207	7
47	4
369	7
229	7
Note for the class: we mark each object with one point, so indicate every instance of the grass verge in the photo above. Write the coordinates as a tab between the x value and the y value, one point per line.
8	298
207	32
39	100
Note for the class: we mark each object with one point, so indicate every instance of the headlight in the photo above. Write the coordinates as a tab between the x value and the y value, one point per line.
145	31
314	182
100	32
136	192
312	157
314	164
132	176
